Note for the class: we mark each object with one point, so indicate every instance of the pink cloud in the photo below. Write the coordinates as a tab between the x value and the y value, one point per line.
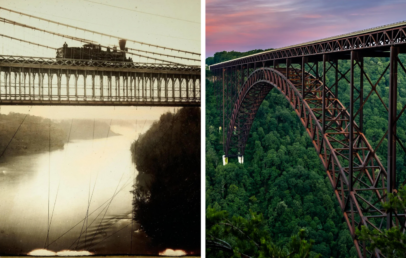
312	16
243	25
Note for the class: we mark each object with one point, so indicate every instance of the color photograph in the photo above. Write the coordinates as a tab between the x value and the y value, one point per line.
305	118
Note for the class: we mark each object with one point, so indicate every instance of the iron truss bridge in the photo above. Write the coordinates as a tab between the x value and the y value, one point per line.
50	81
359	179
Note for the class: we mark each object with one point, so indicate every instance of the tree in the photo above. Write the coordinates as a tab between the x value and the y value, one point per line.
241	237
391	242
167	189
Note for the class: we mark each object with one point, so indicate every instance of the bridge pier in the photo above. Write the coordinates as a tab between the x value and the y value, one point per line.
225	160
241	159
392	119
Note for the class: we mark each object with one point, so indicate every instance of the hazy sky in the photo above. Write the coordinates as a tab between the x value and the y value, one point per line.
169	23
243	25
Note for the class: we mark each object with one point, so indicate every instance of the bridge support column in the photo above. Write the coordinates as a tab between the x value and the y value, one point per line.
173	87
393	77
5	83
59	83
0	83
241	159
41	75
29	83
49	84
127	79
323	114
93	85
351	132
25	85
33	87
15	85
151	87
195	80
19	83
109	86
159	87
76	84
134	86
223	114
303	68
225	160
67	75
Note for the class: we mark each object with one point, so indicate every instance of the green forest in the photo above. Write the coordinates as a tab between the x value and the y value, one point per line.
282	177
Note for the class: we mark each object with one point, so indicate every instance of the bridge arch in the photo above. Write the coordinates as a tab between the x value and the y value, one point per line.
359	185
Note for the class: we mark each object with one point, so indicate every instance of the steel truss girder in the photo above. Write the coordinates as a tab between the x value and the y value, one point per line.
368	40
61	63
41	86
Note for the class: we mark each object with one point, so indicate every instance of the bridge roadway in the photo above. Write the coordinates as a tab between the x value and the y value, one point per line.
359	179
50	81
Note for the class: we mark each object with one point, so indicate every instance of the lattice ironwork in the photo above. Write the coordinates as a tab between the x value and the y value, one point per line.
391	35
52	63
47	81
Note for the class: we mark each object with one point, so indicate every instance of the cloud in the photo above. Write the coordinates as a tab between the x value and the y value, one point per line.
45	252
243	25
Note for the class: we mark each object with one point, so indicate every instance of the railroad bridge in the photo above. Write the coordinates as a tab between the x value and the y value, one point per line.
359	179
160	81
50	81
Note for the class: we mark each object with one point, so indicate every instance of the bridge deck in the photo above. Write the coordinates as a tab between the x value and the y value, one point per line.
377	39
50	81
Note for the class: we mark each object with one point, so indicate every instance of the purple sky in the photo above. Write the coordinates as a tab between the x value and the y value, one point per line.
243	25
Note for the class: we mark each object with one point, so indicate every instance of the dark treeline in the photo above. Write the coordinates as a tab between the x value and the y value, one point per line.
283	177
167	189
31	137
38	134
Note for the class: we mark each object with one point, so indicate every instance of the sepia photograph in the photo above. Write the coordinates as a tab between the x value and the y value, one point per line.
100	128
305	128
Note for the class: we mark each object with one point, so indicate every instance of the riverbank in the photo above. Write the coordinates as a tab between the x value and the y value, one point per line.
22	134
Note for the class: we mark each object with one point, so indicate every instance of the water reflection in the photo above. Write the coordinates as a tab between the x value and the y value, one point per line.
81	191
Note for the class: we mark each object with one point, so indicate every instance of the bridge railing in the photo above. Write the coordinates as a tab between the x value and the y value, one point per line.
96	63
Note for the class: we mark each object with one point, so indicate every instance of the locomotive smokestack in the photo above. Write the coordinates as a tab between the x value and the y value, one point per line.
121	43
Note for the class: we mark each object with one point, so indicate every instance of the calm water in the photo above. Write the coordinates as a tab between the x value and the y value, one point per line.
73	189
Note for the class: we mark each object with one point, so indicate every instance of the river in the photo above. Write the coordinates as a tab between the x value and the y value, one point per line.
75	198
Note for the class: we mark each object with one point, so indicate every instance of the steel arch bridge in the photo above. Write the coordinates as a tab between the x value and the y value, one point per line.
359	179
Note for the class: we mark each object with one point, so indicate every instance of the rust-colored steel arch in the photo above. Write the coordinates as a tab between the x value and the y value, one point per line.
359	180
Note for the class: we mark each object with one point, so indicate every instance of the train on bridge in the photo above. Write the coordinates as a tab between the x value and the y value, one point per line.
92	51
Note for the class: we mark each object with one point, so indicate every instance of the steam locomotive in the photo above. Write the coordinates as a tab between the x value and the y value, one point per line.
94	52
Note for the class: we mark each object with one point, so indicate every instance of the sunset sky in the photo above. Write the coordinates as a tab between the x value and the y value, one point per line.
243	25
